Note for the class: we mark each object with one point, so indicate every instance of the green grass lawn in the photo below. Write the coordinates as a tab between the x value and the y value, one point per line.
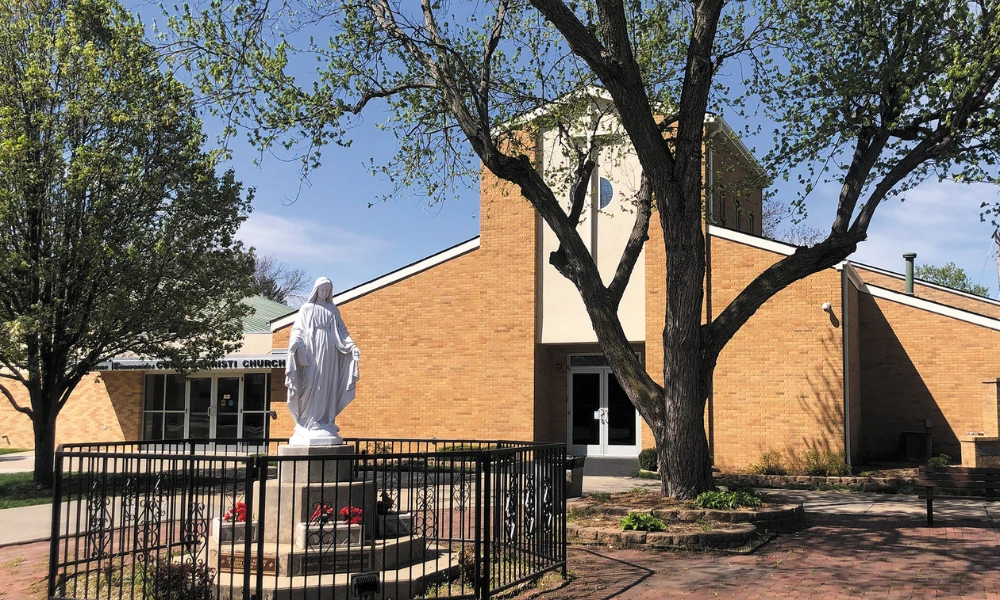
11	450
16	489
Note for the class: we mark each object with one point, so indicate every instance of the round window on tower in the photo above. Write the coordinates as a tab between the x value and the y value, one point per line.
607	192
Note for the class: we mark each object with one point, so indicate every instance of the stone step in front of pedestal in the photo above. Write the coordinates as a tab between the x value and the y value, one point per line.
398	584
286	560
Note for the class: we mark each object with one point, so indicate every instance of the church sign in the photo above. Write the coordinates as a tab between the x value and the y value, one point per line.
265	361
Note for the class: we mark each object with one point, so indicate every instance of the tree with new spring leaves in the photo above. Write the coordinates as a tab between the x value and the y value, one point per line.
951	275
874	96
116	234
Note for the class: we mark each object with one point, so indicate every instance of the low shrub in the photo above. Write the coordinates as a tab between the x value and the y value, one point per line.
941	460
731	500
182	581
648	460
823	463
770	464
600	497
642	522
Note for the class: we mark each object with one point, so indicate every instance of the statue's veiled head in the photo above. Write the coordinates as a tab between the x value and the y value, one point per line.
322	291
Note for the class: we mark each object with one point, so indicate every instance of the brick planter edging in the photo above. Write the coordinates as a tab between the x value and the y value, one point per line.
786	481
779	519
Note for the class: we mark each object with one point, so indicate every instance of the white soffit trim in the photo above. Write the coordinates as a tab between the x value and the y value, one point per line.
751	240
934	307
935	286
390	278
852	274
740	146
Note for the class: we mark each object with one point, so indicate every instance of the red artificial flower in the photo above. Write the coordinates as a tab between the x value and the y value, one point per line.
236	514
351	515
322	514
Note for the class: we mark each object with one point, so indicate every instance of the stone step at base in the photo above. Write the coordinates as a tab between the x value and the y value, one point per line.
399	584
285	560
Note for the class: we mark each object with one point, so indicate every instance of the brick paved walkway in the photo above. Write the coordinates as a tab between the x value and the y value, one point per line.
839	556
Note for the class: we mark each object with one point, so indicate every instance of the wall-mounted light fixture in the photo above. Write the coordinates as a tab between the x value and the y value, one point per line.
827	307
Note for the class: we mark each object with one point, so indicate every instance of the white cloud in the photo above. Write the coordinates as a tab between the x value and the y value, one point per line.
938	221
297	241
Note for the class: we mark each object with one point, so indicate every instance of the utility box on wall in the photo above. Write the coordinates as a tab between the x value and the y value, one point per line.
914	447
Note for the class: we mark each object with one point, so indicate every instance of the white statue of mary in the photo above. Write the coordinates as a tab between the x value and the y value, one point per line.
322	369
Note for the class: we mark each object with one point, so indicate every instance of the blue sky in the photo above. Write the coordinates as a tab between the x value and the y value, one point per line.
326	227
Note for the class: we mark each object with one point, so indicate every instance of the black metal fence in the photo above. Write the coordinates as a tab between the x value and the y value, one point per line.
393	519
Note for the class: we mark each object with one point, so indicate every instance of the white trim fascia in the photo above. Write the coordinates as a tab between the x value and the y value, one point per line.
751	240
934	307
390	278
934	286
740	146
852	274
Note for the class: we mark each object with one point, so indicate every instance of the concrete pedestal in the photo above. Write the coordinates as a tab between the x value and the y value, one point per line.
315	464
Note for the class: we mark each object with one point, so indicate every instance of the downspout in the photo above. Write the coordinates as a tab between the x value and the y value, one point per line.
709	221
845	281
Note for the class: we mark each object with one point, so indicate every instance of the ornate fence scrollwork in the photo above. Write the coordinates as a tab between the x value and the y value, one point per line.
99	525
425	519
529	505
148	525
510	509
195	534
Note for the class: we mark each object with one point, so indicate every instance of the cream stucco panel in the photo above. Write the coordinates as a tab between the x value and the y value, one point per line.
605	232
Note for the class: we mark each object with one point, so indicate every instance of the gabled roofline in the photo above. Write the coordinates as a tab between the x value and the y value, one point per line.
752	240
934	307
599	93
390	278
935	286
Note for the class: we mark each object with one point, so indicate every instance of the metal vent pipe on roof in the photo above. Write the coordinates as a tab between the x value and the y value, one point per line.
909	256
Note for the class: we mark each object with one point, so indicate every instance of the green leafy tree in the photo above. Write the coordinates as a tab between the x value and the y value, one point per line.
116	234
950	275
874	96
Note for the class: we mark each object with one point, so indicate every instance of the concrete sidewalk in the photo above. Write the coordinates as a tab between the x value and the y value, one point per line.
897	507
24	524
18	462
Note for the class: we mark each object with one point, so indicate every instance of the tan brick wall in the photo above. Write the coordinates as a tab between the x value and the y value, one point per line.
736	201
279	338
450	351
103	407
898	284
779	383
282	426
917	365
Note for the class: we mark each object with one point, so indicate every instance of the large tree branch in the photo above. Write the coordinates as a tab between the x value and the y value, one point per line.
370	95
496	33
635	243
581	41
804	262
17	407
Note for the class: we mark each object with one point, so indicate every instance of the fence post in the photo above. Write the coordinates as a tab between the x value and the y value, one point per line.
56	516
251	468
261	476
486	517
561	472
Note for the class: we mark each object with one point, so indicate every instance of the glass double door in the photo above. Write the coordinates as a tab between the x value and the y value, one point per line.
228	408
602	419
225	407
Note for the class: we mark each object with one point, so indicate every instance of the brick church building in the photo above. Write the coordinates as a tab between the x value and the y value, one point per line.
486	340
